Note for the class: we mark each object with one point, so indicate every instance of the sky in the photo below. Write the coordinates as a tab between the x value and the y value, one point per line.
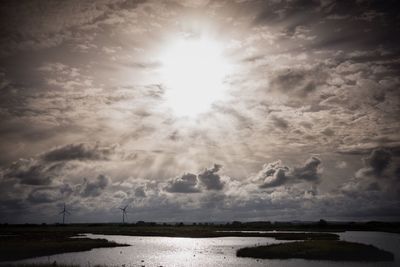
199	110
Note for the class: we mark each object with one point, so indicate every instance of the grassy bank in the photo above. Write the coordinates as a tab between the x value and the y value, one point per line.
318	250
29	246
54	264
43	265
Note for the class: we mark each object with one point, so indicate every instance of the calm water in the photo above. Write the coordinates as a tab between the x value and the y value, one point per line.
167	251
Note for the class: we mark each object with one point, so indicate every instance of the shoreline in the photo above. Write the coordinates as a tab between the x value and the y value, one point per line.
318	250
23	242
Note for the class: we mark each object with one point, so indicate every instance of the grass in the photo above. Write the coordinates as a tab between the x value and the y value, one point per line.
23	247
318	250
54	264
41	265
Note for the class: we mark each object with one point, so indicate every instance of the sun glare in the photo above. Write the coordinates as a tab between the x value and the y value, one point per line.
193	71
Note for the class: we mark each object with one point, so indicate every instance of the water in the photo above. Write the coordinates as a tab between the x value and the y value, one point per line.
168	251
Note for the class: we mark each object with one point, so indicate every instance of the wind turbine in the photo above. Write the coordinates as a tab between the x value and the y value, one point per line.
124	213
64	212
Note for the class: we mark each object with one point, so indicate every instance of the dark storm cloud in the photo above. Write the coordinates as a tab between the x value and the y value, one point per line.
78	152
187	183
276	174
32	172
211	179
309	171
378	161
44	195
66	189
299	82
377	181
377	164
140	192
279	11
39	24
273	174
347	21
328	132
96	187
392	147
280	122
44	168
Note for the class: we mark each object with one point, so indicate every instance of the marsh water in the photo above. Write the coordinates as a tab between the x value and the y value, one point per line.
221	251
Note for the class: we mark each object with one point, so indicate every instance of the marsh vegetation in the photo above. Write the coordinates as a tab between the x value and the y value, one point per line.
318	250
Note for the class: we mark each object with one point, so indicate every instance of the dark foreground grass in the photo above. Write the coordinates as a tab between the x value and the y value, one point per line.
42	265
17	248
54	264
318	250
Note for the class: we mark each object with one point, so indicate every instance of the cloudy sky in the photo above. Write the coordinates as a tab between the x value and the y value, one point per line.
195	110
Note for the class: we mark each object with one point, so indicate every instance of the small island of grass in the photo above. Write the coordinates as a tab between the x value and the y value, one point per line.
318	250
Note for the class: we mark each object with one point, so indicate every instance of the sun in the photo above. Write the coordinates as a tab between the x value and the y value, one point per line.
193	71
